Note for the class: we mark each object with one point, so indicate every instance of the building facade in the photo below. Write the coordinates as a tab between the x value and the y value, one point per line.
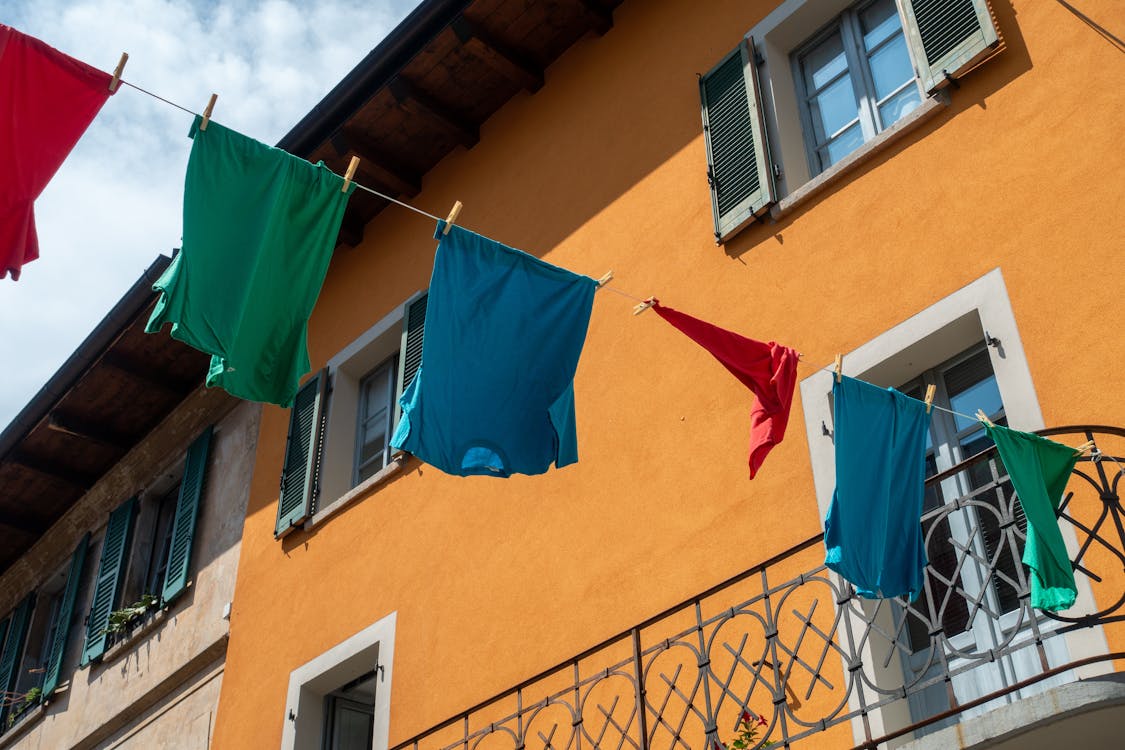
124	488
929	189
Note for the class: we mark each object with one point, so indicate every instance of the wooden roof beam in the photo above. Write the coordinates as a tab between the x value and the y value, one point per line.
22	524
377	168
74	478
152	377
497	55
599	16
86	430
419	103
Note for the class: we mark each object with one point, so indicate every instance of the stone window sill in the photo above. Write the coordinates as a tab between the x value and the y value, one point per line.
398	461
803	195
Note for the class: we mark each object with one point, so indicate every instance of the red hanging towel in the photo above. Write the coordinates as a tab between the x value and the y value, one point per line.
47	100
769	370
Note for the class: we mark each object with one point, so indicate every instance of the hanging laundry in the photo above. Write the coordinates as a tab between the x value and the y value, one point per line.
47	100
873	530
1039	470
259	229
769	370
504	331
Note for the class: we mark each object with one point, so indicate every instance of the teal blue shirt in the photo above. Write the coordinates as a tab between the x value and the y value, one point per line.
504	330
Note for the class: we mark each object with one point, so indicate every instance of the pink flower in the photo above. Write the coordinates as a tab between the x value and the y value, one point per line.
747	717
762	721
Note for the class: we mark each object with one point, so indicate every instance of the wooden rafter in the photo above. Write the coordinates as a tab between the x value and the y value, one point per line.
421	104
497	55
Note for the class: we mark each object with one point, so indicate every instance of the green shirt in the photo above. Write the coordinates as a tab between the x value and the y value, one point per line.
259	229
1039	470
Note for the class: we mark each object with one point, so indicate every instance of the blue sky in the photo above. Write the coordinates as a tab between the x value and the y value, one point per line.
116	202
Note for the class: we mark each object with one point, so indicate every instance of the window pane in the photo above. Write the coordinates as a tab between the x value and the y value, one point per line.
972	385
848	141
834	108
899	105
879	21
824	62
890	67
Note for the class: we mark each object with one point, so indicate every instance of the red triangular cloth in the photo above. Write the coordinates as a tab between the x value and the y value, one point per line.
47	100
769	370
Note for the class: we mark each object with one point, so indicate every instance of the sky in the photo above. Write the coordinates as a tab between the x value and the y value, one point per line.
116	203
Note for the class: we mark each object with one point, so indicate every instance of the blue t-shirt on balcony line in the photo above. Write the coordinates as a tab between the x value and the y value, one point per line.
503	334
873	530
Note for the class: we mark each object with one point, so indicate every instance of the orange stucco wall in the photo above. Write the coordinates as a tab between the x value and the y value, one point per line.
603	169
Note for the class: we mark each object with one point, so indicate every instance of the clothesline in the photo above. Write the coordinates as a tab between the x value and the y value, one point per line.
415	209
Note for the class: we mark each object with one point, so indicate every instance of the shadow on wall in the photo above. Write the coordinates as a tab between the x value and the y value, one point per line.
1102	31
993	75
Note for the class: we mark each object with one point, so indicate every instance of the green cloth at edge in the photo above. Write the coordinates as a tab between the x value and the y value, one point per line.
260	226
1039	470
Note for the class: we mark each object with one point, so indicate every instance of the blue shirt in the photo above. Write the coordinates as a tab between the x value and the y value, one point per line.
504	330
873	530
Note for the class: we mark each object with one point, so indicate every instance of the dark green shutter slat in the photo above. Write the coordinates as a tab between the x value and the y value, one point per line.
13	647
413	334
737	155
948	35
187	511
410	352
302	455
111	570
62	621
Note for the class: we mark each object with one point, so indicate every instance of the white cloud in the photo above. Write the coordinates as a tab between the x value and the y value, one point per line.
116	202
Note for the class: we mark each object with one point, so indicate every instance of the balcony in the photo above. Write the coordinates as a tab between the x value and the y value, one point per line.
825	668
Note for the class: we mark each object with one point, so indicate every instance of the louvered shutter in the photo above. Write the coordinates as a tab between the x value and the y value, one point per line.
111	569
12	652
62	618
738	164
410	354
947	36
187	511
301	469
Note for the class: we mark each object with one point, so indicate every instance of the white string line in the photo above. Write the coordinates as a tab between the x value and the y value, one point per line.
415	209
357	184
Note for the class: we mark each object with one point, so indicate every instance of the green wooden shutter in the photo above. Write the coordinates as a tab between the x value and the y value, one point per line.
410	354
111	569
948	36
62	618
12	653
738	163
301	468
187	511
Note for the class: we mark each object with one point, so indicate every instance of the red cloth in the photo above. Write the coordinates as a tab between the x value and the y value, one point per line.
769	370
47	100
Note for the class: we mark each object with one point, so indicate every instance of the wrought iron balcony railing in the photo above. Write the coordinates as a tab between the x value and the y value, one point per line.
813	658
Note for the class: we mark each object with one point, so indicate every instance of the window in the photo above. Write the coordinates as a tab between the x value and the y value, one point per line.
343	417
817	79
964	384
376	412
34	638
146	551
857	81
341	700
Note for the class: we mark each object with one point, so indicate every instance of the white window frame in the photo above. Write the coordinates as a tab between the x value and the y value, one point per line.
920	343
370	649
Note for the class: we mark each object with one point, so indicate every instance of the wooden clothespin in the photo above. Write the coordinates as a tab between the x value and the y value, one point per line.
352	166
644	305
207	112
838	368
931	391
984	418
453	214
1085	448
113	84
605	279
